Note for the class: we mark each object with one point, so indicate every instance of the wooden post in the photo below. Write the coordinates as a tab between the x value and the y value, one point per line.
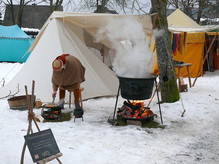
190	84
31	117
30	113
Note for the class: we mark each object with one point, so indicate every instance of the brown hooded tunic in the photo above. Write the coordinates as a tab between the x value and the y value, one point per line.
71	76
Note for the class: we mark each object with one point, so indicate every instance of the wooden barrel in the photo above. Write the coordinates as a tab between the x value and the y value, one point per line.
19	102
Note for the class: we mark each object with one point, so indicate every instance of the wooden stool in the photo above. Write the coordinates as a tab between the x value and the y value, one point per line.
183	86
80	97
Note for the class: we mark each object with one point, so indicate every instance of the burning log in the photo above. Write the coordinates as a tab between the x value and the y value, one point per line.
135	111
52	113
135	89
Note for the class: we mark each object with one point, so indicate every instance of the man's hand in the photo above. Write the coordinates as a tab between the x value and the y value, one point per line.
54	94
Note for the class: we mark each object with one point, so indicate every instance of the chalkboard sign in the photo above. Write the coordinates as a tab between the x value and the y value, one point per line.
41	145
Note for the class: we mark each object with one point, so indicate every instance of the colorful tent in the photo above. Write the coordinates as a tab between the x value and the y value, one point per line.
187	39
14	44
190	51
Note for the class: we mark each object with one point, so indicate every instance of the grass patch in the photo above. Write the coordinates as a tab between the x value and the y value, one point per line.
152	124
121	122
64	117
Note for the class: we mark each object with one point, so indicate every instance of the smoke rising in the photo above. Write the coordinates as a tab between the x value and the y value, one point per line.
133	56
158	33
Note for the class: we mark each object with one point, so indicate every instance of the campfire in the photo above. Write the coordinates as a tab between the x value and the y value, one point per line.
135	110
135	91
51	112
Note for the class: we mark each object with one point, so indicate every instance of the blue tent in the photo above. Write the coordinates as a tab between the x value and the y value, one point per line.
14	43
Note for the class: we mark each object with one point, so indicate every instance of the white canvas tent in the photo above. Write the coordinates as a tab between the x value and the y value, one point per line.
66	33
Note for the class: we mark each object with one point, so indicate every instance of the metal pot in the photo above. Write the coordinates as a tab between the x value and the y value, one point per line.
137	88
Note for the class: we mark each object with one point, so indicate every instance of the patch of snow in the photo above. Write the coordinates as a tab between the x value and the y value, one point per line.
189	139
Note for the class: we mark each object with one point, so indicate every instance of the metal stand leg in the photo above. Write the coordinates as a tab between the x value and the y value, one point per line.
81	118
159	102
116	105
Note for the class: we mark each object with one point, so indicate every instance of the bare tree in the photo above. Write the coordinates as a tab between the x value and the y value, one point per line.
120	6
54	5
20	11
168	85
21	5
11	6
1	18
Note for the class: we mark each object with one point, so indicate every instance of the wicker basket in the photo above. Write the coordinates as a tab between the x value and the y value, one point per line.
38	103
19	102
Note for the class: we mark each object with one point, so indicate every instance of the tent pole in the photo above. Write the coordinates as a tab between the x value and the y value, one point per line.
203	62
116	105
206	55
161	118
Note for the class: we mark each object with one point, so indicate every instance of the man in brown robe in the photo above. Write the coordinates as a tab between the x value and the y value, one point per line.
68	73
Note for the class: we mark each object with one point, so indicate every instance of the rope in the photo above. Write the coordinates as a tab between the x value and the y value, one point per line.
3	79
12	95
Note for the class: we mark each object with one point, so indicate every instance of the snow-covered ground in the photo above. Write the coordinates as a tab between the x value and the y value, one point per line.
192	139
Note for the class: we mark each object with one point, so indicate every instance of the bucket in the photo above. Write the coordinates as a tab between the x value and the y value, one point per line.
19	102
137	88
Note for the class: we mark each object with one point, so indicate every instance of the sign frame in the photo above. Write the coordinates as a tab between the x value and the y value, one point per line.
42	145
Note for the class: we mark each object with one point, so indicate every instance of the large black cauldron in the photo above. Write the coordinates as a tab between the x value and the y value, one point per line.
137	88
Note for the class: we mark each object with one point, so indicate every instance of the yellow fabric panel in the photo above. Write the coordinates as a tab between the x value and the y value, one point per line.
155	67
193	54
196	37
154	59
181	43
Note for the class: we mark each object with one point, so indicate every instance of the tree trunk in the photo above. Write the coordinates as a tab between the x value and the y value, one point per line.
20	13
11	5
55	6
0	18
200	9
168	85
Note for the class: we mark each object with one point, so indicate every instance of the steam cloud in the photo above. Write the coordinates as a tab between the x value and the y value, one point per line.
133	56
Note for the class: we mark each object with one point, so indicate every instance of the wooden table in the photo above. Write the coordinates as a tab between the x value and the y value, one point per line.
179	66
